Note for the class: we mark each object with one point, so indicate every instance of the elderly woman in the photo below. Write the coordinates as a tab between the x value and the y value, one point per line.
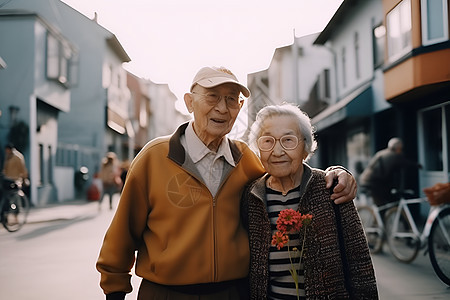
283	137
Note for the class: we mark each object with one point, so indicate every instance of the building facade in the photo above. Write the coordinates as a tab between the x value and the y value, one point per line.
292	74
386	75
348	126
35	89
417	80
86	111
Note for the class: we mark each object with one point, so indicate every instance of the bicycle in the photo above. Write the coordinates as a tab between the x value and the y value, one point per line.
370	215
404	239
14	205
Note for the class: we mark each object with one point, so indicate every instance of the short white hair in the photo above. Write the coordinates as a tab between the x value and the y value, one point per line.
285	109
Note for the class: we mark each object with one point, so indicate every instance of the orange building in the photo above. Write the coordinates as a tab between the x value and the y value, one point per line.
417	80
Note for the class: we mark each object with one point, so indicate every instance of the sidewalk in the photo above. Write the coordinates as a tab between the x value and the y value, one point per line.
66	210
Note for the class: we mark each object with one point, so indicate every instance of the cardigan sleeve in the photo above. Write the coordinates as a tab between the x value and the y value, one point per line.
358	255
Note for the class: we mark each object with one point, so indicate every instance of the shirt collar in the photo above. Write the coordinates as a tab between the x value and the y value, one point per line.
197	149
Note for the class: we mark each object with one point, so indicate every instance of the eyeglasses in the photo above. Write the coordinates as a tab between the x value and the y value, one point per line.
267	142
230	100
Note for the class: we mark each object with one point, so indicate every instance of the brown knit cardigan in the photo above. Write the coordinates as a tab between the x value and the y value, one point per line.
324	275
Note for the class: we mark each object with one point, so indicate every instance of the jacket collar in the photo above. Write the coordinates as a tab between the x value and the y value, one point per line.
177	152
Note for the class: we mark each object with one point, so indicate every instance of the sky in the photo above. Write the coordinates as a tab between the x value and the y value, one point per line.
168	41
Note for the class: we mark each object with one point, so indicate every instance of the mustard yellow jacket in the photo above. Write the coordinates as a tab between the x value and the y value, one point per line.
182	234
14	166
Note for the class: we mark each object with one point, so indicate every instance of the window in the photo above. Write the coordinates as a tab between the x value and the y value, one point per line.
41	164
50	164
52	57
432	123
356	44
326	84
344	73
358	151
435	136
378	35
434	21
399	30
107	76
59	55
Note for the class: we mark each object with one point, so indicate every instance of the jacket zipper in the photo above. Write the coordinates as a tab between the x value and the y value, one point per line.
215	272
215	227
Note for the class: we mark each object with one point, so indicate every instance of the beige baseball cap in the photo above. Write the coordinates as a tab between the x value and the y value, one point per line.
209	77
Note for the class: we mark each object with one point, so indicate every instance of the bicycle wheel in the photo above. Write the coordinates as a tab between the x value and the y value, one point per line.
439	245
15	211
373	230
402	241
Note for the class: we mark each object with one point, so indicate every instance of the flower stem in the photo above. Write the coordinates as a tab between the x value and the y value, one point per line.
293	271
303	248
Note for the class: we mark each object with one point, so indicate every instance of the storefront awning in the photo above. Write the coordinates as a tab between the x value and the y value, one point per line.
115	121
356	104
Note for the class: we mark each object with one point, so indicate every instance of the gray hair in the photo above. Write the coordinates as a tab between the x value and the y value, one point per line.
285	109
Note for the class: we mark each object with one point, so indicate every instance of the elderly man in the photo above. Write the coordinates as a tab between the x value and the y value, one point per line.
384	172
179	208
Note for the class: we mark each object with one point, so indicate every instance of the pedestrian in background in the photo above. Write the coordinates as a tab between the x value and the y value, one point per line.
110	175
384	172
14	165
179	208
14	169
284	138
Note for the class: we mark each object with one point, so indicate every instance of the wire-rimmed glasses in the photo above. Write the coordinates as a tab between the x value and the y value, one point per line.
267	142
213	98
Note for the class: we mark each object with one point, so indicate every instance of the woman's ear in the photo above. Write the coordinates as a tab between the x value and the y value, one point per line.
188	100
305	155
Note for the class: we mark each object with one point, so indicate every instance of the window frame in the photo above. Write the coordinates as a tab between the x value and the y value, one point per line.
59	60
379	43
395	54
344	66
356	44
424	15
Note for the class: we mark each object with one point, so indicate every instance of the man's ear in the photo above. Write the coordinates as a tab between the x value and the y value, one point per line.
188	101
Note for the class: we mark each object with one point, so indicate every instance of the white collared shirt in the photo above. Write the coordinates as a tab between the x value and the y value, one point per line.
210	164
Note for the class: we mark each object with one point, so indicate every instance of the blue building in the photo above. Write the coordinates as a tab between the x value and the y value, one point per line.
64	78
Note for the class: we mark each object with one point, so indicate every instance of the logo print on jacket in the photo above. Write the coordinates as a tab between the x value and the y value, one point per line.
183	190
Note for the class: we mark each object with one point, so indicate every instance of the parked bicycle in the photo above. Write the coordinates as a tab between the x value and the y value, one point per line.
372	221
14	205
404	238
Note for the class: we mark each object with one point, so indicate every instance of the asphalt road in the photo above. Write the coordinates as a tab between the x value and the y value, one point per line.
54	257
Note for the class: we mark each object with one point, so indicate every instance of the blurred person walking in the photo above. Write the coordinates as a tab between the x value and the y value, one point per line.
110	175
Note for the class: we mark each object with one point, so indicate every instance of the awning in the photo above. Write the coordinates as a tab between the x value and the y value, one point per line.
357	103
115	121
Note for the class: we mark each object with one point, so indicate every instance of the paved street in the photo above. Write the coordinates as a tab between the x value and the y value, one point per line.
53	258
407	281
